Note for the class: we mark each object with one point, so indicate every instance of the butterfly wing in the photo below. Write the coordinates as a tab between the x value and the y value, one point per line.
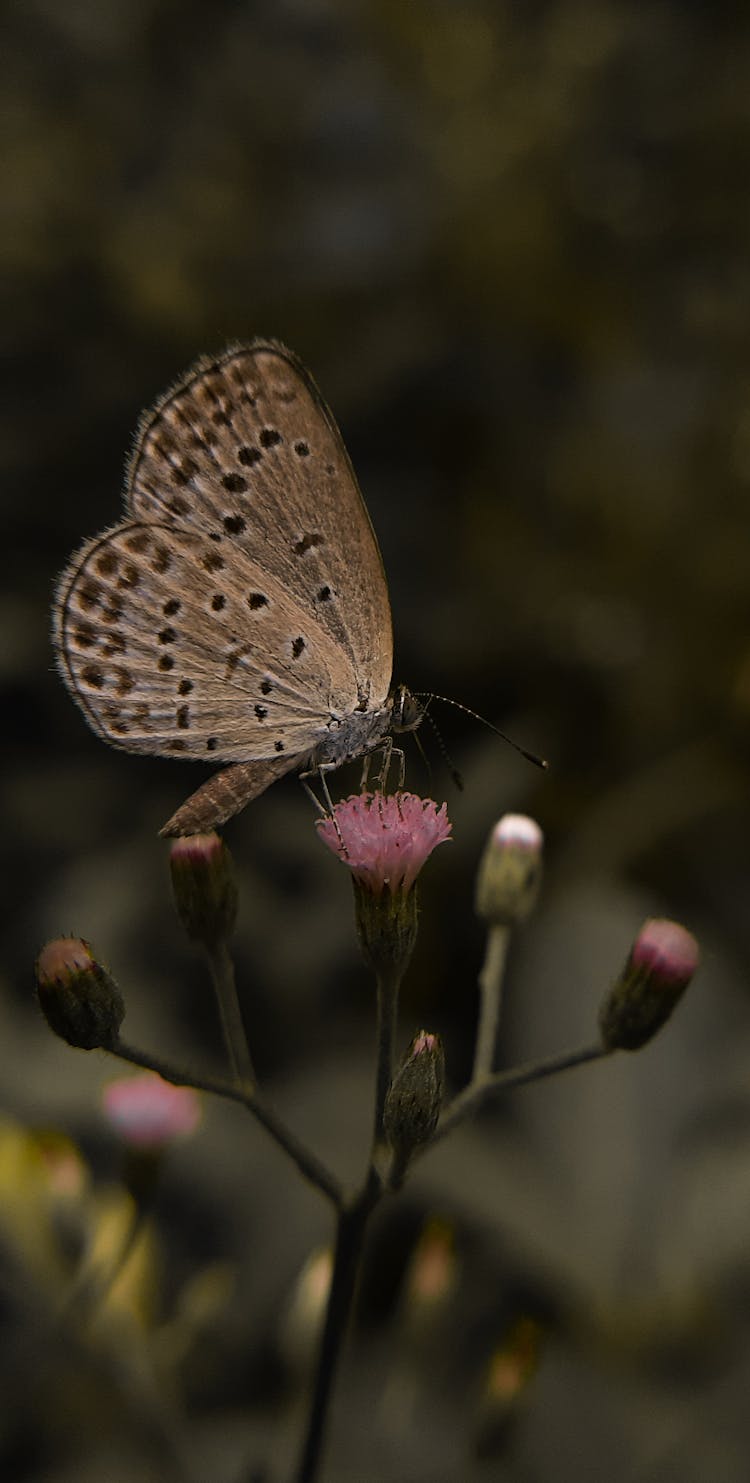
175	644
245	448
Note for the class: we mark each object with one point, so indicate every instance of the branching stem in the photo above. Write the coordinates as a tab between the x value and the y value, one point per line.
307	1162
477	1093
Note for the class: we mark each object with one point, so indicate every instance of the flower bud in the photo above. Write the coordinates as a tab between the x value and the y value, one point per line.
510	871
204	887
386	928
412	1106
661	963
79	999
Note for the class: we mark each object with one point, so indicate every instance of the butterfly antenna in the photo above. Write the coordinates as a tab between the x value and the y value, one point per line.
423	755
427	696
444	753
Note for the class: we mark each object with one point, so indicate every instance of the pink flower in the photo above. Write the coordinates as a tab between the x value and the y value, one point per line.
148	1112
385	839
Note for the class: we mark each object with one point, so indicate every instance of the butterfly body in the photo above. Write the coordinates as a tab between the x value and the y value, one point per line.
239	612
351	735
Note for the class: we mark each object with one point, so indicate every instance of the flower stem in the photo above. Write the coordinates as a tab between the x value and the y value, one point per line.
387	1012
490	987
350	1233
477	1093
352	1222
221	968
309	1165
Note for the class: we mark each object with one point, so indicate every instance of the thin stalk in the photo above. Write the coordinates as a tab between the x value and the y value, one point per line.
387	1020
350	1233
476	1094
221	967
309	1165
490	989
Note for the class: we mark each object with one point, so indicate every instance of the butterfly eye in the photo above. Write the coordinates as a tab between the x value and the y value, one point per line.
407	711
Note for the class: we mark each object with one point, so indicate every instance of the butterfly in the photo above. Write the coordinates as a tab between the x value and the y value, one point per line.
239	612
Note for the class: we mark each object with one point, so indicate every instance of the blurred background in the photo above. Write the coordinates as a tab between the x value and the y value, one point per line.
512	242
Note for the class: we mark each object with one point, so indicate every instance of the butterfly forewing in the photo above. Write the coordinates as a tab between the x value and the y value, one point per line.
171	648
245	451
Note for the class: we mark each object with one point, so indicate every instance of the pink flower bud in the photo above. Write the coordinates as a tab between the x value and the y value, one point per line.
79	999
661	963
203	885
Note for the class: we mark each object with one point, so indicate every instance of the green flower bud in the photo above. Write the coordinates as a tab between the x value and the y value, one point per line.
412	1106
79	999
661	963
510	871
204	887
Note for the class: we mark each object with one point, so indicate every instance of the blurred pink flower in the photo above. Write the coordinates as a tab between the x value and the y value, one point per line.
385	839
148	1112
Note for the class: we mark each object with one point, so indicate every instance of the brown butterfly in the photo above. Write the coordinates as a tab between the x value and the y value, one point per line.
239	613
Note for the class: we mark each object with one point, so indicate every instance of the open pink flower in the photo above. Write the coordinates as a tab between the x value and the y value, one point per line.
385	839
148	1112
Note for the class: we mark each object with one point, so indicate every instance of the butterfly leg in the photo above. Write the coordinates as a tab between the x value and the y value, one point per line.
328	812
385	747
388	751
392	753
312	795
400	753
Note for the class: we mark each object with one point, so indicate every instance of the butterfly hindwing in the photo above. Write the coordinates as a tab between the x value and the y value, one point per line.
174	645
